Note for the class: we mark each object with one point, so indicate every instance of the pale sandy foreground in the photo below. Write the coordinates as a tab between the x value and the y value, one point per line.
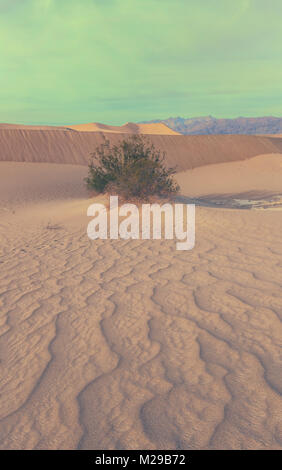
132	344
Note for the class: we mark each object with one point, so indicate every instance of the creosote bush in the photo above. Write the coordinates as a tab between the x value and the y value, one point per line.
133	168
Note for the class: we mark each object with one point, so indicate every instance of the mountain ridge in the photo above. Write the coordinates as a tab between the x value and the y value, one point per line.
211	125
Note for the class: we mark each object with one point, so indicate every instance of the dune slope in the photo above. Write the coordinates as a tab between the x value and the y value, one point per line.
260	174
186	152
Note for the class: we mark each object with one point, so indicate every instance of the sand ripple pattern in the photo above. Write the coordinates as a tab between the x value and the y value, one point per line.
131	344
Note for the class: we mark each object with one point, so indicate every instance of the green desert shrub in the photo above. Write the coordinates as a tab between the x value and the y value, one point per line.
133	168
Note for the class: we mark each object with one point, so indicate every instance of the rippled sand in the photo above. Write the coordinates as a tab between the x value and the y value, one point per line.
132	344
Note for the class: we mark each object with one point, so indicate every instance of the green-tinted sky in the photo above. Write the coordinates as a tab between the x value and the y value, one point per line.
71	61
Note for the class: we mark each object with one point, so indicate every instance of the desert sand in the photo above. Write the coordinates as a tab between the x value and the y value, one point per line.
260	174
115	344
57	145
128	128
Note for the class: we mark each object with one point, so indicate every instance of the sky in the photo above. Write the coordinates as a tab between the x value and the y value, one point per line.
114	61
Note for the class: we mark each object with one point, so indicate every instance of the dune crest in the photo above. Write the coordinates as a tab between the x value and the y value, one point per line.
128	128
7	126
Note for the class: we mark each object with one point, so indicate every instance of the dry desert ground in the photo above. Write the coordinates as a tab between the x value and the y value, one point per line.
131	344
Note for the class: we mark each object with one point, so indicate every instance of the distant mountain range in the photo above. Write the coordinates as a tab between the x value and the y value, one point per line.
211	125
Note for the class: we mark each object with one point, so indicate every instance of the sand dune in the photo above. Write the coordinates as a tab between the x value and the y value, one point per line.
131	344
275	135
260	174
24	183
186	152
8	126
29	182
128	128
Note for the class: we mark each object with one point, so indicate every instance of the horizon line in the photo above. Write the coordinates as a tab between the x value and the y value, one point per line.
40	123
